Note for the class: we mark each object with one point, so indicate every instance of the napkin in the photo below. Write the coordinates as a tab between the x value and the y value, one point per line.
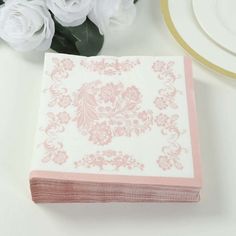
117	129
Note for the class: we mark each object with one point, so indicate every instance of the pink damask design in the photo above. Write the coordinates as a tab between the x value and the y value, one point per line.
63	117
110	66
60	72
108	110
59	97
168	125
56	123
172	151
105	111
53	149
171	156
167	95
61	68
54	152
109	159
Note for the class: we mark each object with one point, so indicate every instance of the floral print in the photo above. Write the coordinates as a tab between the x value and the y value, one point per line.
161	103
54	152
109	92
59	96
54	125
162	120
119	131
171	157
106	111
167	95
100	134
103	111
132	94
164	162
159	66
61	68
166	99
168	124
64	101
110	66
53	148
109	159
63	117
67	64
60	157
173	150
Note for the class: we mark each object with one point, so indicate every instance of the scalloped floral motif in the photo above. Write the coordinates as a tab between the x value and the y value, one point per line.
59	95
109	159
110	66
61	68
104	111
53	149
171	152
166	100
54	152
109	110
167	95
56	122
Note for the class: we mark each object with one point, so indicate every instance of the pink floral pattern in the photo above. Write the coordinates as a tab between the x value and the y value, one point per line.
109	92
109	159
168	124
105	111
63	117
61	68
59	95
56	123
100	134
110	66
172	151
171	156
64	101
54	152
167	95
53	148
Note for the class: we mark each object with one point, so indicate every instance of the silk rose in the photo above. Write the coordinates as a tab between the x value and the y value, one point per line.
26	25
70	13
112	14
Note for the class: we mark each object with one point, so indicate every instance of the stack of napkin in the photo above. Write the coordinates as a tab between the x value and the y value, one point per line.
116	129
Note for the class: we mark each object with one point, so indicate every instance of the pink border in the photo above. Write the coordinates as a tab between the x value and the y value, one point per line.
195	182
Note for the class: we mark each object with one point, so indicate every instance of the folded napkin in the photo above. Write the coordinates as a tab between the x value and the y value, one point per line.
116	129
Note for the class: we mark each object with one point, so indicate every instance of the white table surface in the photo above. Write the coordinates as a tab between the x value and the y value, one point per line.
20	77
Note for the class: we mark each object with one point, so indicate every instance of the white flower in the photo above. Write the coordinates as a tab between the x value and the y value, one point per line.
26	25
70	12
110	14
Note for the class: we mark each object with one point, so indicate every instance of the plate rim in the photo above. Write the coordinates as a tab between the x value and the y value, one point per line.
170	24
210	33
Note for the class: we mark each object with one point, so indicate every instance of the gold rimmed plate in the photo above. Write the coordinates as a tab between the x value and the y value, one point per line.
181	21
217	18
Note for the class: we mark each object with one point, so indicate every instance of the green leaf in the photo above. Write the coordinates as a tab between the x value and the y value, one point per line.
63	45
84	39
62	42
1	2
89	40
